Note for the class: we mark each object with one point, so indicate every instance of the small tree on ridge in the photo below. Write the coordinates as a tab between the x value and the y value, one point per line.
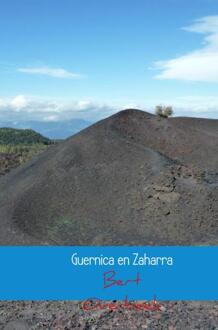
164	111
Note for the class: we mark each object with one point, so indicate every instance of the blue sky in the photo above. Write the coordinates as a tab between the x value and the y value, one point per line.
87	59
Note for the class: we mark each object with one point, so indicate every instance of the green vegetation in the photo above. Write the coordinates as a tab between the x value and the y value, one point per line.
24	152
13	156
18	146
164	111
11	136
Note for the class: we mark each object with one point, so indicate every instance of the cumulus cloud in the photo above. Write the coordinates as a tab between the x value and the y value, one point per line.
51	72
19	102
22	108
200	64
25	108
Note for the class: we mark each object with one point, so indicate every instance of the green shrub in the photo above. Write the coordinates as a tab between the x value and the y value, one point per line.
164	111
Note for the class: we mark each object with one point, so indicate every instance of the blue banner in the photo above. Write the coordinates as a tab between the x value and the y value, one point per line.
80	273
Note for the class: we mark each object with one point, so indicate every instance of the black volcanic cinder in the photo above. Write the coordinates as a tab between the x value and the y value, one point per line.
131	179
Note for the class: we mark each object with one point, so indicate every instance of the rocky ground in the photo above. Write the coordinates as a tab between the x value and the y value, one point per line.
13	156
8	161
67	315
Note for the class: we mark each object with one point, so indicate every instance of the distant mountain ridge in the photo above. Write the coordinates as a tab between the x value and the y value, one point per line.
52	130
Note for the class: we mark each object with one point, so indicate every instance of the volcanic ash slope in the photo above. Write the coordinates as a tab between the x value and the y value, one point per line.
131	179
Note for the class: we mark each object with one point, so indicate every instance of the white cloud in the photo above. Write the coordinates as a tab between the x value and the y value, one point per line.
198	65
18	102
51	72
196	106
22	108
51	118
26	108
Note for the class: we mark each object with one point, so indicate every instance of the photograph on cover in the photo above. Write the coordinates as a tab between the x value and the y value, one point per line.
108	137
